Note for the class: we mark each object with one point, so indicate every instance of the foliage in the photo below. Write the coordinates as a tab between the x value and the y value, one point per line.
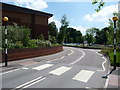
73	36
110	32
16	34
110	53
100	3
33	43
19	37
56	45
101	36
53	31
92	31
52	39
41	37
89	38
62	33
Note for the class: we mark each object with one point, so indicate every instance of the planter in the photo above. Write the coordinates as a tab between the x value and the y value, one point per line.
16	54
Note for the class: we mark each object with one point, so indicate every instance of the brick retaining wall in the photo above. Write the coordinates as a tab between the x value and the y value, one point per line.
16	54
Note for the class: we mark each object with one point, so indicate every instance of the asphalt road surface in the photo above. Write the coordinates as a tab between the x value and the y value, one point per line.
72	68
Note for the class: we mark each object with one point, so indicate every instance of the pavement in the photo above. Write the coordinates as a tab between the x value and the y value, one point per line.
113	81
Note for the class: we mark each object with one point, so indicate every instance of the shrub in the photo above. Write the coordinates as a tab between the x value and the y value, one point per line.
16	34
32	43
41	37
48	43
52	39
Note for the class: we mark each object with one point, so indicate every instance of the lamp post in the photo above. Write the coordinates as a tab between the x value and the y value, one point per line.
5	19
114	20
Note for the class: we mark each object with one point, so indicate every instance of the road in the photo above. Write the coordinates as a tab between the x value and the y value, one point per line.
72	68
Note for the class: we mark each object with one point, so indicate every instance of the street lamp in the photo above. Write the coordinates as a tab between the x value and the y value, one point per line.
114	20
5	19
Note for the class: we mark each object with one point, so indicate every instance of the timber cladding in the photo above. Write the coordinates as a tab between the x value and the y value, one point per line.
37	21
17	54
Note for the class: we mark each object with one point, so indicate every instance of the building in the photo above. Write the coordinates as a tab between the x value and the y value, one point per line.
37	21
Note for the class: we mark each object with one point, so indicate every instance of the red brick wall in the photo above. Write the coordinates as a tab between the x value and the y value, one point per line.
16	54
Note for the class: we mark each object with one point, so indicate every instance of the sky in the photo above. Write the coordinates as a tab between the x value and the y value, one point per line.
80	13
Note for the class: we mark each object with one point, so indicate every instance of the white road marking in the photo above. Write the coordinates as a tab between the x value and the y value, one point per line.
60	57
10	71
71	52
103	64
30	83
83	75
43	67
24	68
60	70
88	87
34	82
107	81
77	60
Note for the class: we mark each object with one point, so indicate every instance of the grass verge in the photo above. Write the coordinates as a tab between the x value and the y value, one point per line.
111	56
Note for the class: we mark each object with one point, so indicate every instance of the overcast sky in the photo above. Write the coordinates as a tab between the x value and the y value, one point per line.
80	13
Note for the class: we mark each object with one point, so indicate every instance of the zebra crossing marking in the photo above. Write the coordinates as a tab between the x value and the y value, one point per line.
60	70
83	75
43	67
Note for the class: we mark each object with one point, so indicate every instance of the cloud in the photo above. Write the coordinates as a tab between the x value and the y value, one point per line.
103	15
58	24
32	4
80	28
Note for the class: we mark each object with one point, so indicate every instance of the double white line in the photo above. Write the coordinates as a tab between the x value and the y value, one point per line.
30	83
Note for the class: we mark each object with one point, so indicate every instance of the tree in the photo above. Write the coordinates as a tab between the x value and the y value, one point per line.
100	3
73	36
101	36
89	38
53	31
92	31
62	33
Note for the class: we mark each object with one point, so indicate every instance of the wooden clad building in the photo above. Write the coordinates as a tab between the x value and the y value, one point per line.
37	21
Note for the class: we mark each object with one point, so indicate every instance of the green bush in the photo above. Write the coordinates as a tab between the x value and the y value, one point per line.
52	39
16	34
41	37
19	37
48	43
32	43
